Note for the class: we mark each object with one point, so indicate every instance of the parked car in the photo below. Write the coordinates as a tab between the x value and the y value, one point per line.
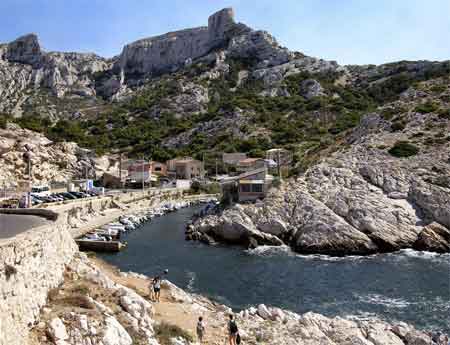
69	196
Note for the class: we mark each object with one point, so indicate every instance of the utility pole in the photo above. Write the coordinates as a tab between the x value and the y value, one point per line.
120	169
203	166
27	156
216	170
143	166
278	165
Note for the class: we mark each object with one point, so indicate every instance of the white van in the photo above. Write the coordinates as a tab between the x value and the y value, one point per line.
40	190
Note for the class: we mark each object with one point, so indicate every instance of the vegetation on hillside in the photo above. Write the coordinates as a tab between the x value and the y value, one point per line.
304	126
403	149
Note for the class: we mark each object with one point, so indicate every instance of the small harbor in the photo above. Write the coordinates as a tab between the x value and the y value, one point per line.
111	236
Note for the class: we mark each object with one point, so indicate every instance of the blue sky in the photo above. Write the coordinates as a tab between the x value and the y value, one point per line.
348	31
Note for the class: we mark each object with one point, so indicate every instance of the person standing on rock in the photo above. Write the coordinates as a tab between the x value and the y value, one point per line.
200	330
232	331
157	288
151	288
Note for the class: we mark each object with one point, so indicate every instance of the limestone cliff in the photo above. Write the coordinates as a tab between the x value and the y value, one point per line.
27	71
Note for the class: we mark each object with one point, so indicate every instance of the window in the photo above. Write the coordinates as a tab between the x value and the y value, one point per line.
157	168
245	188
257	188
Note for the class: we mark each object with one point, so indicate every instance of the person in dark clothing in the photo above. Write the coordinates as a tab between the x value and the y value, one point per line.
232	330
157	288
200	330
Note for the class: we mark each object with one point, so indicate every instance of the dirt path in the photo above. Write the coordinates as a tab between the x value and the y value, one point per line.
183	315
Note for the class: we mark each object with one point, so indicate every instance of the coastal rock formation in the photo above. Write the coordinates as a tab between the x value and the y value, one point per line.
114	314
358	200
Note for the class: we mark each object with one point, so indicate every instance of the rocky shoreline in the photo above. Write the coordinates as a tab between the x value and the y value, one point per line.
359	200
101	306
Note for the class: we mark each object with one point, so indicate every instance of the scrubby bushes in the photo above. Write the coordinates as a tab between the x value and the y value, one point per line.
165	331
427	107
403	149
444	113
398	126
3	121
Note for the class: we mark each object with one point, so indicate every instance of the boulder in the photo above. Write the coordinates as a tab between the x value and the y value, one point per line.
134	304
311	88
115	334
434	237
264	312
415	337
56	330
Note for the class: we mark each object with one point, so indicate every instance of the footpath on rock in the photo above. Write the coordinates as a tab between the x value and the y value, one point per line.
99	305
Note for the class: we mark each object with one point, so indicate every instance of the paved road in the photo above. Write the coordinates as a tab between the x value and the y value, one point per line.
13	224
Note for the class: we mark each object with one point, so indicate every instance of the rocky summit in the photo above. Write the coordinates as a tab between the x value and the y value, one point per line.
370	144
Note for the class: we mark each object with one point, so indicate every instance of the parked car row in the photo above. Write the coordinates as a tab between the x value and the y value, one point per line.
37	199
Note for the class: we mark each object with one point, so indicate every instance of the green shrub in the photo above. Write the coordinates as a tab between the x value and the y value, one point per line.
398	126
3	121
403	149
427	107
438	88
165	332
444	113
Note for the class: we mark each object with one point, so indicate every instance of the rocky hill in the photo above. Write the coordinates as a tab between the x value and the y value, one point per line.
52	162
370	143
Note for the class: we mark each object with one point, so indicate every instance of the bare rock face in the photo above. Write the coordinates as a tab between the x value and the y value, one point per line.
170	51
25	49
311	88
261	46
219	25
25	69
434	237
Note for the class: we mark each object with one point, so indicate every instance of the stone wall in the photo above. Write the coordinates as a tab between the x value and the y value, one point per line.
31	264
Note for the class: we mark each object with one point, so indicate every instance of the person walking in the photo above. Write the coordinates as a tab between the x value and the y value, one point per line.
157	288
151	288
200	330
232	331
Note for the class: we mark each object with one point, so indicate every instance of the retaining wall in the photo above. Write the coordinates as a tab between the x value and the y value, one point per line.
31	264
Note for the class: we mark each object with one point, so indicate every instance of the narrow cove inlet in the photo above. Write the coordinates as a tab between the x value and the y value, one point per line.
408	286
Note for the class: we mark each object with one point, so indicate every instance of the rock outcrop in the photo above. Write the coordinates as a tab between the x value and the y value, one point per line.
358	200
51	162
31	264
173	50
25	49
116	315
25	68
